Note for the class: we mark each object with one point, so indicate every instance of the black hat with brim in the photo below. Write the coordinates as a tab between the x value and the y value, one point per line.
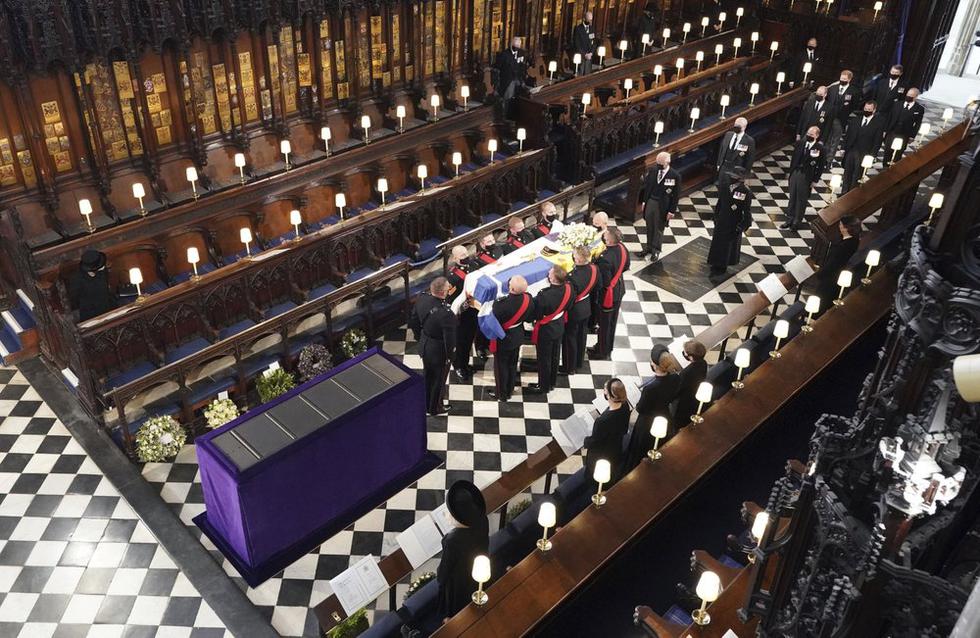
92	260
466	504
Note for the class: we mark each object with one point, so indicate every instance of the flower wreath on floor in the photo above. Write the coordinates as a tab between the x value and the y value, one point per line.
353	343
160	438
219	412
314	360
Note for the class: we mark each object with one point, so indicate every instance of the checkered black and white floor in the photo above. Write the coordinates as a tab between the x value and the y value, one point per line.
56	510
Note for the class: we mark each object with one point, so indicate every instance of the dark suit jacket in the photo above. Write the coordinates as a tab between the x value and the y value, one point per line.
802	59
838	255
504	309
510	68
666	193
905	122
810	115
864	139
546	303
742	156
844	105
583	38
886	97
812	162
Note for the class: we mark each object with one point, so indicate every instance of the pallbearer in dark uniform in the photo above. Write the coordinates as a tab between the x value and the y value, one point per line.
661	190
434	326
517	235
511	311
550	306
613	264
600	221
511	65
733	216
805	168
488	251
585	280
583	42
548	215
460	266
737	149
816	112
88	287
863	137
903	124
470	538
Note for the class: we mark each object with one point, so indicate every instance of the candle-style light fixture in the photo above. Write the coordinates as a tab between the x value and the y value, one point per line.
552	67
780	78
295	218
658	129
753	91
773	47
816	5
666	35
191	174
947	116
623	45
139	193
705	21
679	65
547	517
340	202
457	161
872	259
400	114
628	86
325	135
193	258
434	103
897	144
686	29
699	58
743	359
492	147
464	92
780	331
807	67
577	61
285	148
703	395
844	280
739	12
755	39
719	49
736	44
866	162
658	430
245	234
695	114
658	70
521	136
382	188
481	574
422	171
924	130
725	100
812	307
586	101
836	181
721	20
240	165
878	6
758	530
136	278
601	474
85	209
645	41
936	201
708	589
601	52
366	127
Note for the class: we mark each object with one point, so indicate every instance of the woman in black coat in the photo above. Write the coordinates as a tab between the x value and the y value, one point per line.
733	216
88	287
470	538
608	432
839	253
690	378
655	399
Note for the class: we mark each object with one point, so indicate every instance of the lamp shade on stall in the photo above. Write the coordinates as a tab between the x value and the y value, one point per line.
966	377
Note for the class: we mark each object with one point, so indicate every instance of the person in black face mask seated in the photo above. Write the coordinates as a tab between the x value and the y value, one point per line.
903	124
549	213
864	136
88	287
737	150
805	168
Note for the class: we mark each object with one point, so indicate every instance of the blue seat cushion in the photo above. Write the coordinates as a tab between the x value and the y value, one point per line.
186	349
678	616
439	179
489	217
201	269
545	193
394	259
428	247
518	206
235	328
326	221
322	290
156	286
461	229
255	365
360	273
209	388
131	373
279	309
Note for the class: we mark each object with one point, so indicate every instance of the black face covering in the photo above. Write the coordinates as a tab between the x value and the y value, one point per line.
811	48
662	167
843	83
868	113
895	76
737	129
810	138
909	98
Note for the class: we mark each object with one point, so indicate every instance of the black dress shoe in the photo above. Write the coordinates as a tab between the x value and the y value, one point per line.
483	354
786	225
534	388
642	254
655	255
464	375
717	272
493	395
595	355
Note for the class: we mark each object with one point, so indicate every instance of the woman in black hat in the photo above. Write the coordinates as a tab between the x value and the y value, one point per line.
88	287
608	431
655	399
470	539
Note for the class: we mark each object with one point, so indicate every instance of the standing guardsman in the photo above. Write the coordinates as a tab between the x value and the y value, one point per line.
613	264
434	326
461	265
585	280
551	304
504	319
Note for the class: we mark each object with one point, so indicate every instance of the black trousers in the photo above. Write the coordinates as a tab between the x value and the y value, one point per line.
465	335
656	222
608	318
573	345
436	368
799	196
852	171
505	372
549	350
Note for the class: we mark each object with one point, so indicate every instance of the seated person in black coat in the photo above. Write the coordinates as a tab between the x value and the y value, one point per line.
691	377
608	431
838	255
470	539
655	399
88	288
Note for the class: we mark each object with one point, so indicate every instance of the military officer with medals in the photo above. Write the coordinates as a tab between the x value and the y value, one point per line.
550	306
585	279
805	168
815	112
733	216
583	42
737	149
661	191
903	124
434	325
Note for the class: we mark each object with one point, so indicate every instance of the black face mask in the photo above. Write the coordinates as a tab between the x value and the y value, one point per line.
810	138
895	76
909	99
868	113
820	98
811	48
737	129
662	167
843	83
